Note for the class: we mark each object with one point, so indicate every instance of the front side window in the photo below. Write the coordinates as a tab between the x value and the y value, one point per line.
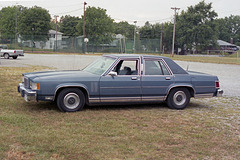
100	65
155	67
127	67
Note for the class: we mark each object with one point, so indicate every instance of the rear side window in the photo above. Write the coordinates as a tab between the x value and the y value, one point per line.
155	67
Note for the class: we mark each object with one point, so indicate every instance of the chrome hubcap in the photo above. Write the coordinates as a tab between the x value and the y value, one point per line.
71	100
179	98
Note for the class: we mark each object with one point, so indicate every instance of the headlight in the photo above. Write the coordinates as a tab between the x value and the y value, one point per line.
34	86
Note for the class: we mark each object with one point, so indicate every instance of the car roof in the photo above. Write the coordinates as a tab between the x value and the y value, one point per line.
176	69
134	56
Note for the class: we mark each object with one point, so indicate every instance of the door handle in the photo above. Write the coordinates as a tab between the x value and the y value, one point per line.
134	78
168	78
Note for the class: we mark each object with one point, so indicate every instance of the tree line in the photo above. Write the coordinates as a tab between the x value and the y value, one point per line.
197	27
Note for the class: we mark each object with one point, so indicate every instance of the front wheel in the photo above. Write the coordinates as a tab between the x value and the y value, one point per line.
178	98
71	100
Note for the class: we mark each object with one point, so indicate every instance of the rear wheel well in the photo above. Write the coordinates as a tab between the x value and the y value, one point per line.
190	89
80	88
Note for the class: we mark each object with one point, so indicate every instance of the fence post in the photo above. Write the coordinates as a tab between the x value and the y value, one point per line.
237	56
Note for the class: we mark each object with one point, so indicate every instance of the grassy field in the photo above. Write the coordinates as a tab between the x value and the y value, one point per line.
207	129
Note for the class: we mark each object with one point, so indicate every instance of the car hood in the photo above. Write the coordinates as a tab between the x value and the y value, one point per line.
59	75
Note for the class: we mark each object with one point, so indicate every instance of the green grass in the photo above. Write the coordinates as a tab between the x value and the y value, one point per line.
207	129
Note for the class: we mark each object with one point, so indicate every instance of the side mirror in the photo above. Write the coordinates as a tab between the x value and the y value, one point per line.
112	73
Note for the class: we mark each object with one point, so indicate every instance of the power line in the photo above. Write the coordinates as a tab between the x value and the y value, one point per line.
68	11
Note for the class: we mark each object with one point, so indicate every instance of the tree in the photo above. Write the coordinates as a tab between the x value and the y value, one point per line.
125	29
9	17
98	25
68	25
147	31
34	24
229	28
195	27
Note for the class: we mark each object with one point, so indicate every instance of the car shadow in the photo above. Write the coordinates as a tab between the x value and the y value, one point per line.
43	106
127	106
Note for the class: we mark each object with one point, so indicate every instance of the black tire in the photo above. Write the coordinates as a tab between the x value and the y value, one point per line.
6	55
178	98
71	100
15	57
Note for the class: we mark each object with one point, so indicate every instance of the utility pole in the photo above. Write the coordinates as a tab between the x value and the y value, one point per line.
56	30
134	39
175	10
161	40
16	26
84	4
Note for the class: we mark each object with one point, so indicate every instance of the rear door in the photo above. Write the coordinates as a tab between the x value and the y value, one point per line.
156	79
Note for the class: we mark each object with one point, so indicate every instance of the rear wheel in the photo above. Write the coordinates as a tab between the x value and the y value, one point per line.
6	55
15	57
178	98
71	100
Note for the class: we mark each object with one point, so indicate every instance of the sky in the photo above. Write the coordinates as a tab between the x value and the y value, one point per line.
154	11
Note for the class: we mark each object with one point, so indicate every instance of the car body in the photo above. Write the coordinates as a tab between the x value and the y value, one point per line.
6	53
119	79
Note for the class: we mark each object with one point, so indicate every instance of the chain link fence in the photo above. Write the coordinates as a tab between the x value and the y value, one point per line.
69	44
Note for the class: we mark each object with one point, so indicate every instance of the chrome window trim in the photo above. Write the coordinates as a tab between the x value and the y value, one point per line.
157	59
118	59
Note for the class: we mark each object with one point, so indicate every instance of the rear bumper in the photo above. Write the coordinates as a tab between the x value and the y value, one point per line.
28	94
219	93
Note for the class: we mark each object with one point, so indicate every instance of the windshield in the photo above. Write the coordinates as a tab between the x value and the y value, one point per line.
100	65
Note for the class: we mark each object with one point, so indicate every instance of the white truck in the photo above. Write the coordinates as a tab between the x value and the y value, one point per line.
6	53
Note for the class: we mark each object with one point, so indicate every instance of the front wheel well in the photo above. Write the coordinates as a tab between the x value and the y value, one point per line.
80	88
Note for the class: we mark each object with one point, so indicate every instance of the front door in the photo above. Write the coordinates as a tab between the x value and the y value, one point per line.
125	86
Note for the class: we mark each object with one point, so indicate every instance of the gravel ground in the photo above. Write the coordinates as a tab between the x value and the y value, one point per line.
229	75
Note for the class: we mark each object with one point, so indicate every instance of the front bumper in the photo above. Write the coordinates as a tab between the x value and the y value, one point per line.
28	94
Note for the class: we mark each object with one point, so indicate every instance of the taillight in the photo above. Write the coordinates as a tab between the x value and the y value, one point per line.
217	84
14	51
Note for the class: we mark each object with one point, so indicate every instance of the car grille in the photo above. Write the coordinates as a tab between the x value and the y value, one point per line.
26	82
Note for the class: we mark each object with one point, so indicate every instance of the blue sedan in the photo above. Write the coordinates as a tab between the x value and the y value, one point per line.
119	79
